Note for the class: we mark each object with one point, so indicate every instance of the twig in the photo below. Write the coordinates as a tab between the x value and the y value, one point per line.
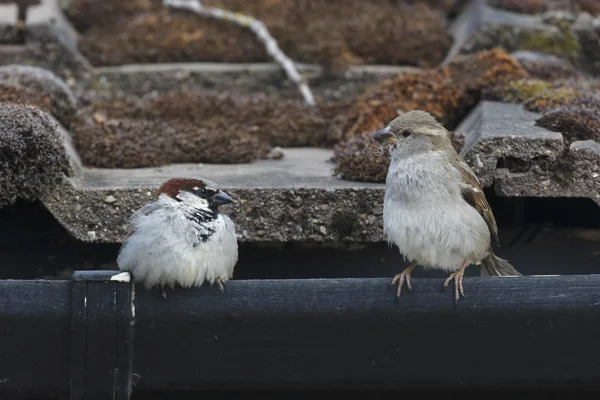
261	31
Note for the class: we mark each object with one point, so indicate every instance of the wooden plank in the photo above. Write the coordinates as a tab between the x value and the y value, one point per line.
101	340
313	334
78	340
107	337
354	333
124	345
34	338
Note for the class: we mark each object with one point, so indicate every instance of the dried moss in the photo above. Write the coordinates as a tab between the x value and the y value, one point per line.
32	155
133	143
575	122
358	160
276	121
52	93
552	98
564	43
473	72
17	94
515	91
84	14
334	33
447	93
380	104
167	37
219	128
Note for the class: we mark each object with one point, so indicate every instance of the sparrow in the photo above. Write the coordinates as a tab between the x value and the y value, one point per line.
181	238
434	208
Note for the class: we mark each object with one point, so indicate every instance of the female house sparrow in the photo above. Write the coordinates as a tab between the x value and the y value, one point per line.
434	209
181	238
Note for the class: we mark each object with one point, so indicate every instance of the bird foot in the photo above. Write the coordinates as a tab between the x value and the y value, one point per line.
458	283
220	283
402	277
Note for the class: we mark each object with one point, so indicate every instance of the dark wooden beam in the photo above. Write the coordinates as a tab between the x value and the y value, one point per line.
526	332
350	333
34	337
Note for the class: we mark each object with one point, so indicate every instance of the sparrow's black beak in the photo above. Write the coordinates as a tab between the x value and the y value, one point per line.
384	135
221	198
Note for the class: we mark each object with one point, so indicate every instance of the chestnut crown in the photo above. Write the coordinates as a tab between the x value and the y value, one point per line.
201	188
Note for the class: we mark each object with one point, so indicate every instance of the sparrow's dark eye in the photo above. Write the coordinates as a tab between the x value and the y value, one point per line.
406	133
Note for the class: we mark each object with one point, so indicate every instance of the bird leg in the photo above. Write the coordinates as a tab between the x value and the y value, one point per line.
404	275
220	283
458	281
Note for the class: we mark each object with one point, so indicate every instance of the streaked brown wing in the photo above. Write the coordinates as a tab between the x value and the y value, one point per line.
473	194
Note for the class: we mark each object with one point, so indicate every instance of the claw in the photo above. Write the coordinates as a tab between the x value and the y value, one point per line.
402	277
220	283
458	282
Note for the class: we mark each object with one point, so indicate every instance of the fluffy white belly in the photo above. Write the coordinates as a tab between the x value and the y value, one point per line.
157	256
435	236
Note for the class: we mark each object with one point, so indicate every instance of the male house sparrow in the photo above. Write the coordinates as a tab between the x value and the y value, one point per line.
434	209
181	238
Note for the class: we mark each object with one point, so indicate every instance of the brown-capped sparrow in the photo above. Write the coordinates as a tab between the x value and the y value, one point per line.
181	238
434	209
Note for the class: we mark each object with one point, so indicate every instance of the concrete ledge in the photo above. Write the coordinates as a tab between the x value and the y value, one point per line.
294	199
507	150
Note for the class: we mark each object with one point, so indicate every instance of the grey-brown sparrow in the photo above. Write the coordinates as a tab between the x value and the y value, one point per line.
181	238
434	209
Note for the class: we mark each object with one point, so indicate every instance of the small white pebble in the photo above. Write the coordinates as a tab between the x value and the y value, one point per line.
91	235
323	230
110	199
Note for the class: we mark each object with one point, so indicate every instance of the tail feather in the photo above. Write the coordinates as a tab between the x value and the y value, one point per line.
496	266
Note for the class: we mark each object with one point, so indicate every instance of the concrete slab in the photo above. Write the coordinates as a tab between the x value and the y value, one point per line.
300	167
295	199
507	150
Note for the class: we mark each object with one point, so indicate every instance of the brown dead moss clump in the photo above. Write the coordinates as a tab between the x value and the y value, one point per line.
334	33
132	143
20	95
579	121
358	159
84	14
41	88
168	37
190	127
447	93
276	121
